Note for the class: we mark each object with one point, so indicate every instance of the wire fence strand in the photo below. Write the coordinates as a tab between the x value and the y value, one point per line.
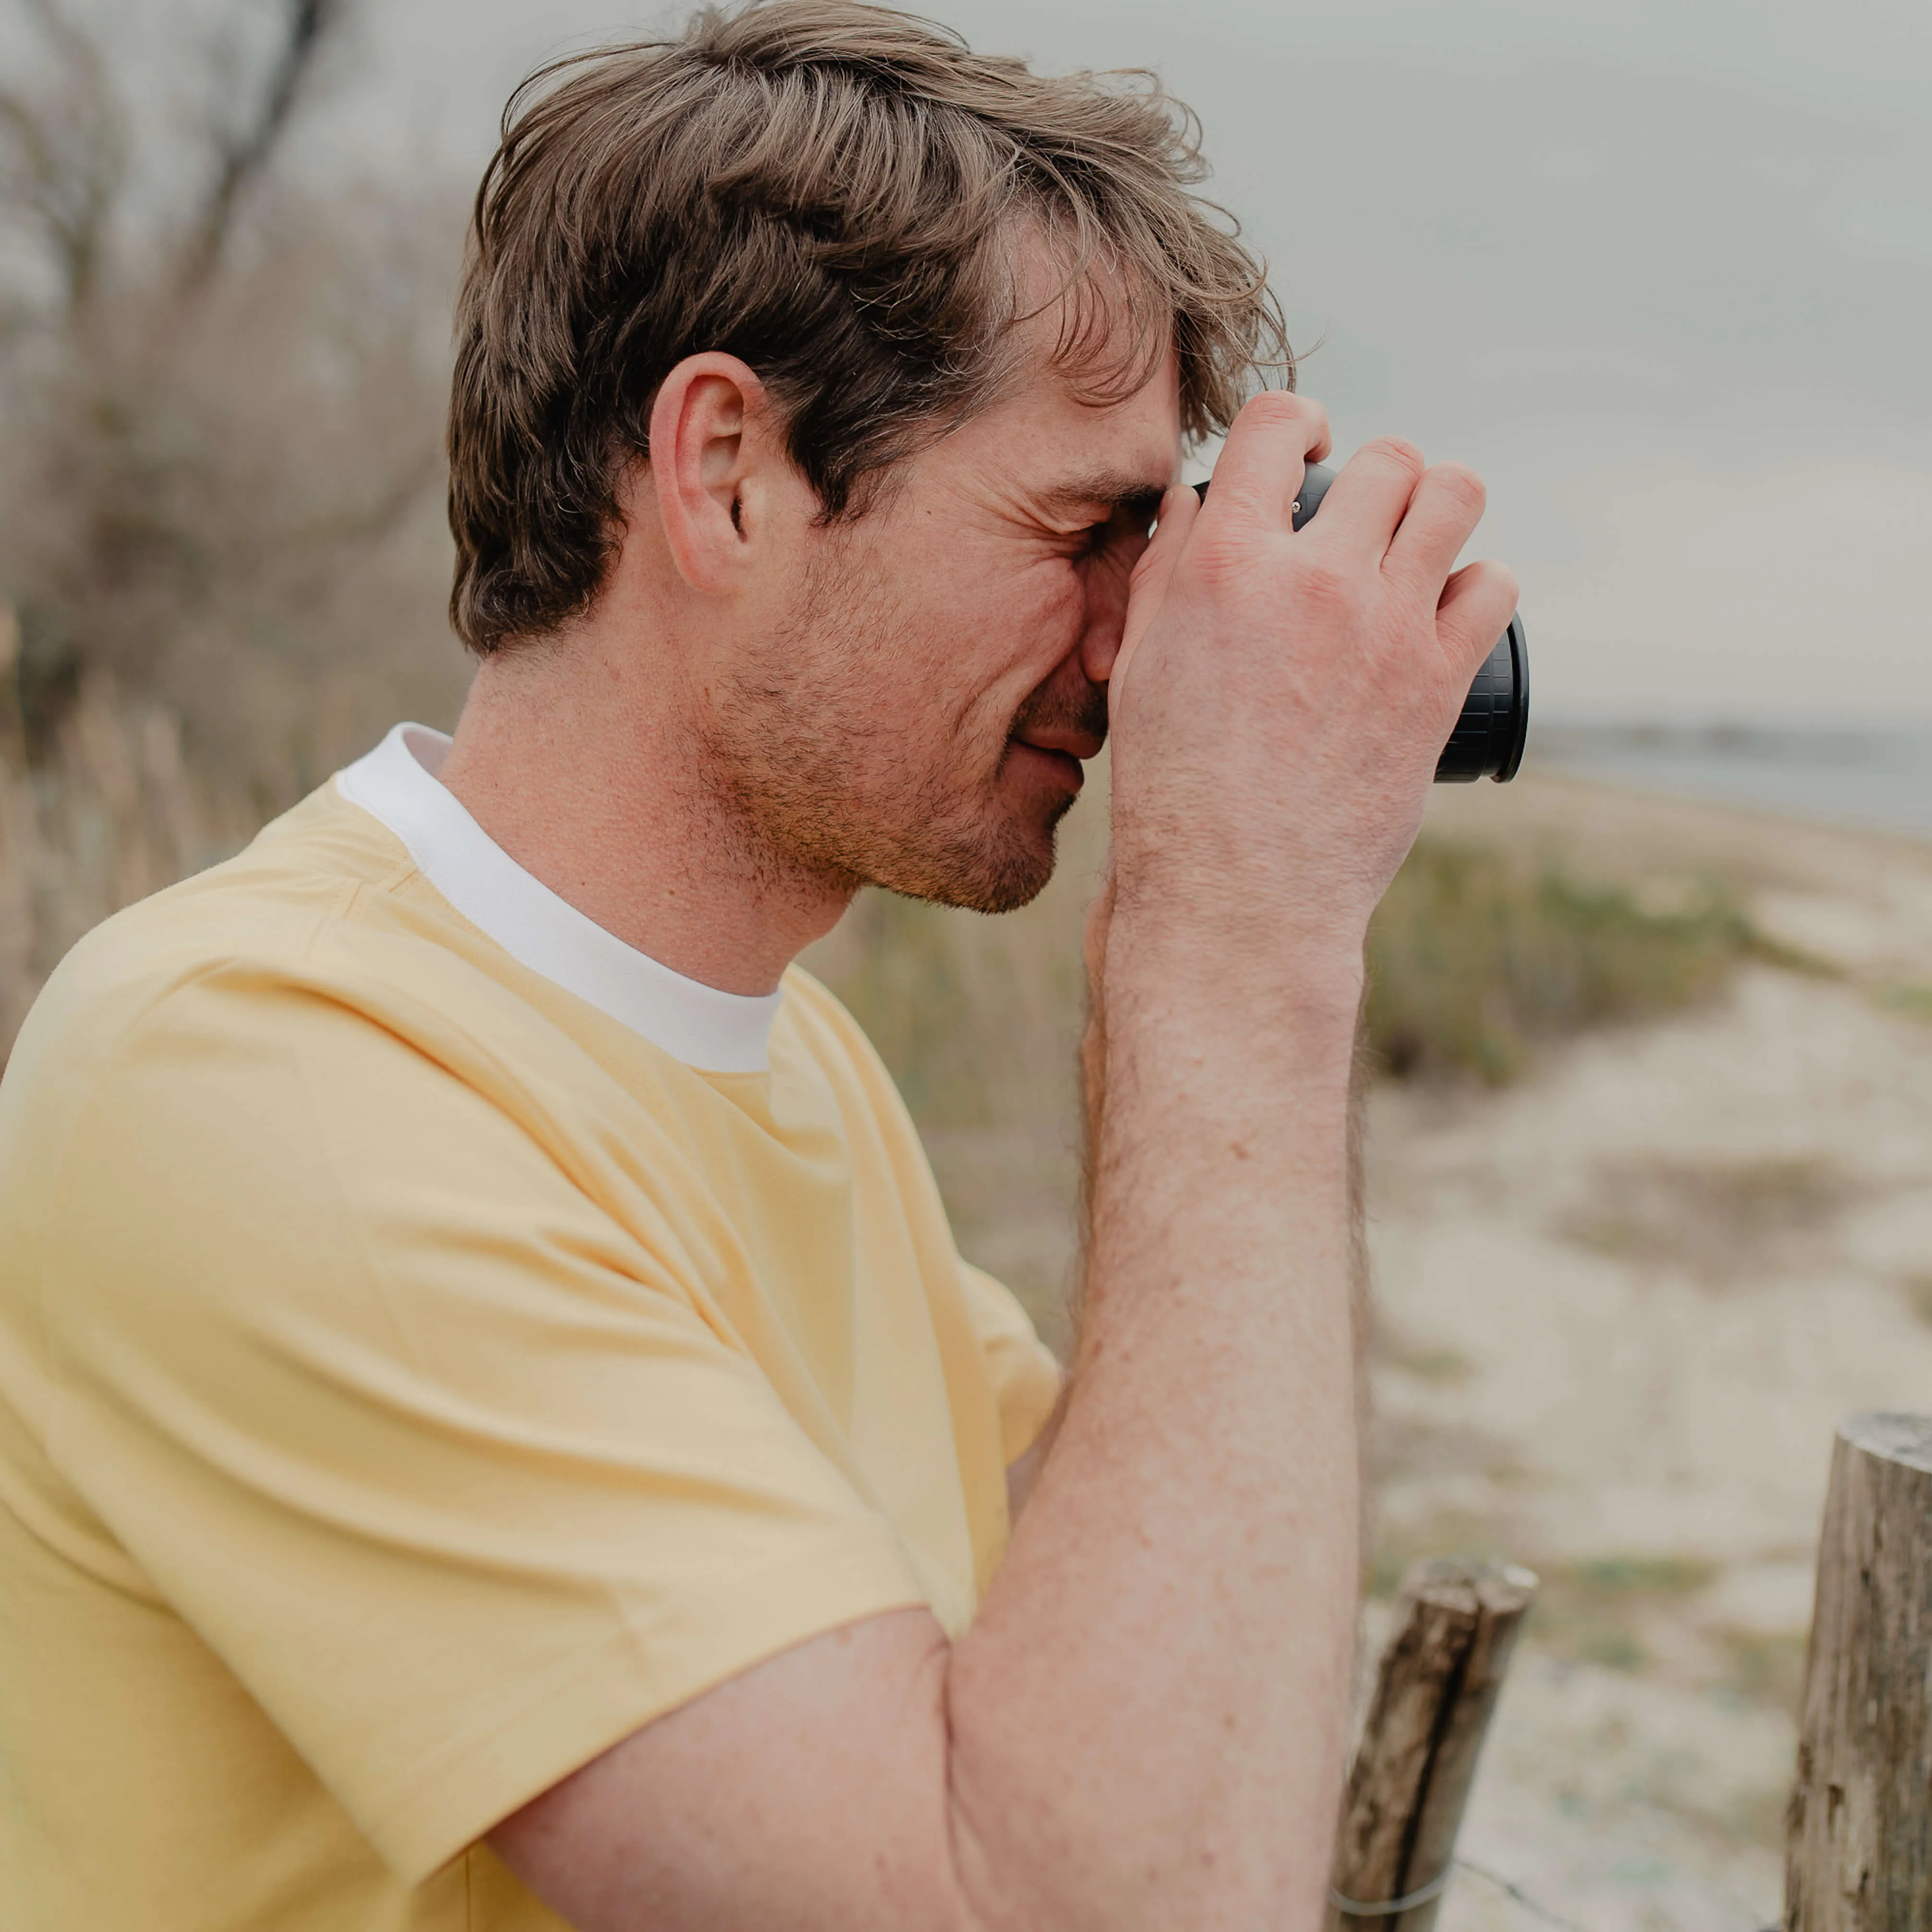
1535	1906
1509	1886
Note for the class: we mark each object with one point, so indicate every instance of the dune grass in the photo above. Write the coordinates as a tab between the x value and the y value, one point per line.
111	812
1478	957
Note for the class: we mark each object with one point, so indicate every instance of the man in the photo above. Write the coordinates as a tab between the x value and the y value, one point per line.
493	1429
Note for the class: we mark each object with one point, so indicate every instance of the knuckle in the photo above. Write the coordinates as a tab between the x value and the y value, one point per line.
1278	405
1461	485
1320	585
1220	557
1400	451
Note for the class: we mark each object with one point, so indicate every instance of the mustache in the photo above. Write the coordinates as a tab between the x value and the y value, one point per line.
1051	710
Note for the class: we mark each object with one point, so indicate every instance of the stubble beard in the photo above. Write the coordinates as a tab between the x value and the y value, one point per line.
820	793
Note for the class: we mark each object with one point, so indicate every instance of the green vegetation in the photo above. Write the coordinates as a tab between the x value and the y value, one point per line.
1918	1292
1478	957
1911	999
979	1018
1605	1579
1592	1611
1468	1535
1762	1668
1443	1368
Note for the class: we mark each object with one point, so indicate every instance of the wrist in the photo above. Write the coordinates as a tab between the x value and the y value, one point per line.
1241	1060
1261	990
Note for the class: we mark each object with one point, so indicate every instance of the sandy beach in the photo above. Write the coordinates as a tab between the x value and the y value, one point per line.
1622	1304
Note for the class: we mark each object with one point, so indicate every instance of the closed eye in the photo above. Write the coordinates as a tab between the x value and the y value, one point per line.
1130	523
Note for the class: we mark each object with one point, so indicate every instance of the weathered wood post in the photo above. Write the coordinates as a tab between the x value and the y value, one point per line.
1858	1837
1434	1693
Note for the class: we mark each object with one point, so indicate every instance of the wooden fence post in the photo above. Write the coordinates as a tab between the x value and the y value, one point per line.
1858	1837
1434	1693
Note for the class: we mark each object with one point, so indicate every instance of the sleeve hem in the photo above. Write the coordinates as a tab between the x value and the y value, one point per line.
565	1716
1029	1392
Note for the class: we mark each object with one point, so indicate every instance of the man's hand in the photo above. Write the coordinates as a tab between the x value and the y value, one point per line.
1281	697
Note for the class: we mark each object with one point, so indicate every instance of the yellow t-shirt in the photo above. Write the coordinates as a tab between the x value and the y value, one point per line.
435	1340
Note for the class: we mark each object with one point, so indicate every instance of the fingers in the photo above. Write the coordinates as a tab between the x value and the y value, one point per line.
1147	585
1442	516
1258	473
1368	500
1474	612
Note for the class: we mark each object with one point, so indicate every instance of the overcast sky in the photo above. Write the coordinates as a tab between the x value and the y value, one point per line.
1662	269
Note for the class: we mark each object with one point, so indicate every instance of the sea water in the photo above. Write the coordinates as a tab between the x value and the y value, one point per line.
1879	781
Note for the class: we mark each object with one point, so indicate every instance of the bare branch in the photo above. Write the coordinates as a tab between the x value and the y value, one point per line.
66	153
244	155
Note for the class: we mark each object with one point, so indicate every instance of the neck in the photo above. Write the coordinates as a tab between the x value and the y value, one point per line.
588	772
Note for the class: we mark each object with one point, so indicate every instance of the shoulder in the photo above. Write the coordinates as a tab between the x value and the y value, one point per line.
267	905
206	971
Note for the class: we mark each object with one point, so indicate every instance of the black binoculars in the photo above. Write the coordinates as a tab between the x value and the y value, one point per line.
1488	740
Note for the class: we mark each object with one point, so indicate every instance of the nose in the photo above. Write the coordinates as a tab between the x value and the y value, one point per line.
1099	645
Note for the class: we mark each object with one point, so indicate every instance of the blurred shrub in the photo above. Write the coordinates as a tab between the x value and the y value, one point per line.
223	560
221	397
1477	956
979	1020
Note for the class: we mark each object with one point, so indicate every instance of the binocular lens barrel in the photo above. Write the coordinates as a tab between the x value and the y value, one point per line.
1488	740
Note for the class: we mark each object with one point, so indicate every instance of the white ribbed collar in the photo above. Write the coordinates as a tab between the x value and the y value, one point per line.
727	1033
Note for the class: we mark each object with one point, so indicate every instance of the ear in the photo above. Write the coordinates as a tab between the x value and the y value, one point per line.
707	431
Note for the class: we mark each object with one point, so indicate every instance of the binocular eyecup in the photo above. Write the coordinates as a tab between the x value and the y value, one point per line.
1488	740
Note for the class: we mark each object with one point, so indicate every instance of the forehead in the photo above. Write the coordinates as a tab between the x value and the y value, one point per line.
1045	424
1042	434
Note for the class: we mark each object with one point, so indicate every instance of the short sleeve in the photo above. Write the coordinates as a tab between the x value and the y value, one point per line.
445	1464
1026	1377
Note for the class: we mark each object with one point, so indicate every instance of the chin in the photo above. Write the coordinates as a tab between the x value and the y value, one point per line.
982	868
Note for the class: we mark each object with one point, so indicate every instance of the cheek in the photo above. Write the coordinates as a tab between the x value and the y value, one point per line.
987	626
1032	617
947	654
1028	626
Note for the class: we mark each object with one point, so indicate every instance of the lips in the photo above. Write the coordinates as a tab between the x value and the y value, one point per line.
1069	739
1060	768
1065	724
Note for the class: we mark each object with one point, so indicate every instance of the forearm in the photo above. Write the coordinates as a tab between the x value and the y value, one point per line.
1146	1717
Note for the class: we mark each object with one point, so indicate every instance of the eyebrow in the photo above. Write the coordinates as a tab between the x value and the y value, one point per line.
1120	489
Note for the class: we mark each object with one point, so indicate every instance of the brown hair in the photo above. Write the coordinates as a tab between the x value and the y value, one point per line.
829	191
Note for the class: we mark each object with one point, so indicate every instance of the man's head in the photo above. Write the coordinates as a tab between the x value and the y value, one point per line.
878	353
